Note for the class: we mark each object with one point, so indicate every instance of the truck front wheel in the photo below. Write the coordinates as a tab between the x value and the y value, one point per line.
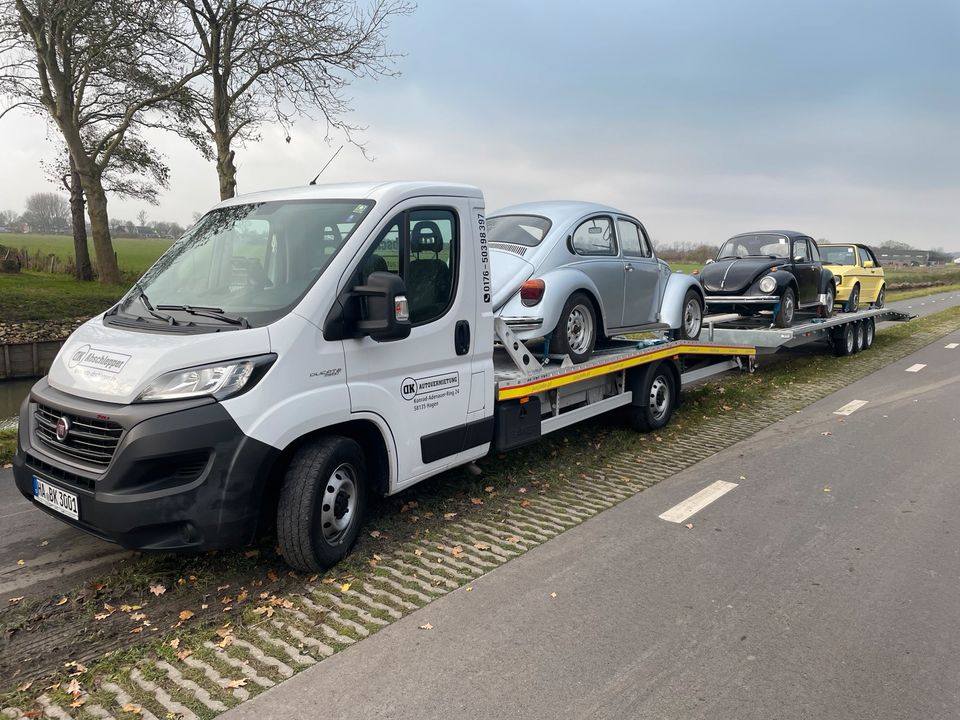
322	503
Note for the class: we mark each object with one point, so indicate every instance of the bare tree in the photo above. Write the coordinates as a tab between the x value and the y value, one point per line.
142	218
275	60
82	270
46	212
103	70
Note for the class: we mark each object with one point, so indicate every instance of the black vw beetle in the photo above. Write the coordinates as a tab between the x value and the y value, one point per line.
776	270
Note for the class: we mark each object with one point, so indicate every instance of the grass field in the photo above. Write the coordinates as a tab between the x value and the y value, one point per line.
134	255
33	296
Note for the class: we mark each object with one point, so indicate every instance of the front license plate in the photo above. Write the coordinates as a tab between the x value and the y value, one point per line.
53	497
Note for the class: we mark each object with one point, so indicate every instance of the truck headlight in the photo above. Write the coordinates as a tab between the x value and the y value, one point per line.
768	285
219	380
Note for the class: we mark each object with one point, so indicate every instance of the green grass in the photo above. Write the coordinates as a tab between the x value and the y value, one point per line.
920	292
947	275
8	445
33	296
133	254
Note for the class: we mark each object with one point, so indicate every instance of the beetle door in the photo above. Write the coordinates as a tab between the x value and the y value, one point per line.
806	271
641	292
595	244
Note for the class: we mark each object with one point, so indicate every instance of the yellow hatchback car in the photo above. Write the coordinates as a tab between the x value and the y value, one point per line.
858	274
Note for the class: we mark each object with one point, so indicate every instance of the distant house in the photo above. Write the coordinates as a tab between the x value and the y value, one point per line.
144	231
896	256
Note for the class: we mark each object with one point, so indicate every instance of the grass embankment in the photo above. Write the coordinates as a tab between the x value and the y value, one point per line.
33	296
8	445
134	255
200	583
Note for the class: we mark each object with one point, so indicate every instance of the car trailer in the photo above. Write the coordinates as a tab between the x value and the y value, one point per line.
535	397
847	333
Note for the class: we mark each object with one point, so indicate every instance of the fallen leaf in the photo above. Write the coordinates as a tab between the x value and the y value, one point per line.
132	708
21	563
242	595
689	526
522	491
136	630
78	702
101	616
469	588
345	587
272	576
185	614
264	610
158	589
233	684
743	477
375	534
62	601
553	594
15	600
488	488
129	608
826	432
481	546
524	503
73	687
449	515
251	553
137	617
513	539
477	501
826	489
184	654
204	606
426	626
33	713
418	552
175	643
26	686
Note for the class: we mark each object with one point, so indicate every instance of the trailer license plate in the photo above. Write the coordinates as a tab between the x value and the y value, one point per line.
53	497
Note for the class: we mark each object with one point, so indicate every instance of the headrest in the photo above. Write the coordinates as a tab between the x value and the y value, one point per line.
426	237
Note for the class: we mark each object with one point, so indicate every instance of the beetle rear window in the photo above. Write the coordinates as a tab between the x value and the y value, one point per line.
528	230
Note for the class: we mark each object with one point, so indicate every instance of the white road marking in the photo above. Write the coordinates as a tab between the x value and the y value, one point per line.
851	407
916	368
697	502
952	346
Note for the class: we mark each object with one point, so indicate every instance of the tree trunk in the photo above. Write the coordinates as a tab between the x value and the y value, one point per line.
100	229
81	252
226	169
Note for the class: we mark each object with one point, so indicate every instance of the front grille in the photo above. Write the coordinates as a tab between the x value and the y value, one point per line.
58	474
520	250
88	440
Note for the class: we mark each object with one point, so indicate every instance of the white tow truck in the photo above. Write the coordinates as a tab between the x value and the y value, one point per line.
298	352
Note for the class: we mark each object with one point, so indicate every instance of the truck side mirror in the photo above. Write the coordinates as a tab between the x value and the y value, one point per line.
387	315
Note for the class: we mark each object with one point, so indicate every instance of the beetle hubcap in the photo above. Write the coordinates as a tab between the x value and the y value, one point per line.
579	329
339	503
659	397
692	318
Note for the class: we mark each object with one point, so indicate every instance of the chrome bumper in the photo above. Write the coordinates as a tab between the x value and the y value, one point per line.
741	299
523	323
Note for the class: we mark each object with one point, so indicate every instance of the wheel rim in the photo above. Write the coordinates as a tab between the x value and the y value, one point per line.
659	397
831	298
579	329
880	297
855	299
850	341
786	308
869	334
859	335
338	504
692	318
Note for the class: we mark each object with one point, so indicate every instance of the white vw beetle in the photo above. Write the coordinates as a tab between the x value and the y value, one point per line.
575	272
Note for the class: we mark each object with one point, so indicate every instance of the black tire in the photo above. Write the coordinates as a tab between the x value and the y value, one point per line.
308	531
576	331
691	316
858	337
844	341
881	297
656	392
853	302
827	309
869	330
787	310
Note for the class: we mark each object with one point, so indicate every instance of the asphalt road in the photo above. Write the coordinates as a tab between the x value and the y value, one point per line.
53	551
824	585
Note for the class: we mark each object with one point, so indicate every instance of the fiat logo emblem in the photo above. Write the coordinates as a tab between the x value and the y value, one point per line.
63	429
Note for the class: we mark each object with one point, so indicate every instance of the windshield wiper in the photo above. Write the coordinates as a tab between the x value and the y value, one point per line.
145	301
208	312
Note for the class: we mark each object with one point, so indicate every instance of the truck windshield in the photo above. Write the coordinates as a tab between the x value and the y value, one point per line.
526	230
759	245
244	265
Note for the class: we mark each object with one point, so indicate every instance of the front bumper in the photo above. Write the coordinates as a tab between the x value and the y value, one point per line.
742	299
183	476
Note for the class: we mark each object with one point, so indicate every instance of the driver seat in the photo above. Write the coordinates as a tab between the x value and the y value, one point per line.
428	280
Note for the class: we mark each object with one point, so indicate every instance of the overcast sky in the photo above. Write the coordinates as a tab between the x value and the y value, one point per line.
837	118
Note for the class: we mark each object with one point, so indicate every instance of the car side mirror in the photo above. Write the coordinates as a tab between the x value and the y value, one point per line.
387	315
799	259
868	263
710	260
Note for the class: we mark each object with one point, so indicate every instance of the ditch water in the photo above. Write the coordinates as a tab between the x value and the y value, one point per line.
12	393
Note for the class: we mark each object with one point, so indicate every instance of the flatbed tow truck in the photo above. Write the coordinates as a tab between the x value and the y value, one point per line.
300	351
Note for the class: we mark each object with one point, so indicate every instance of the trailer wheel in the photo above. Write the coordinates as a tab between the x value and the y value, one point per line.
322	502
869	330
844	341
788	308
576	331
859	341
655	396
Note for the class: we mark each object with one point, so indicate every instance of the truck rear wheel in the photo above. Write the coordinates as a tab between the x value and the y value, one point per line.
655	396
322	502
859	337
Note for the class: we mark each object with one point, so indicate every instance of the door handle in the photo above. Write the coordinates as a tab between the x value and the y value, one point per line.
461	337
628	267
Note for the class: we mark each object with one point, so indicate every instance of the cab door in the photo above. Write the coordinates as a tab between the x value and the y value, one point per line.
420	385
641	292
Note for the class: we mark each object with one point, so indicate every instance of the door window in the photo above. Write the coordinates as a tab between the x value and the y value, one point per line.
595	237
422	247
800	253
814	251
632	240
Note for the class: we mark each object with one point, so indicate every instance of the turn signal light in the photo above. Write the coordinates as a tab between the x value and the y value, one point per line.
531	292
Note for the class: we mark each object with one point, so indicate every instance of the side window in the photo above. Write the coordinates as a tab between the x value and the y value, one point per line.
629	239
814	251
800	253
595	237
867	254
422	246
